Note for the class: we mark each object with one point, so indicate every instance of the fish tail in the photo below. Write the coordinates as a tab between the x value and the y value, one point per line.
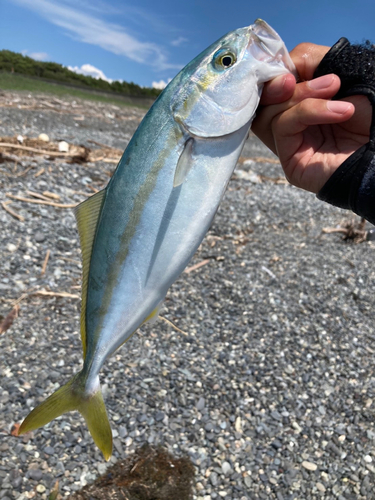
69	397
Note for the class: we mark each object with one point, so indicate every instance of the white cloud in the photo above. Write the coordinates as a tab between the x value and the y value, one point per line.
179	41
160	85
89	70
90	28
38	56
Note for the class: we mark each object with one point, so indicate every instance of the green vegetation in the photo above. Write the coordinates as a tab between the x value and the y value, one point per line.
14	63
13	81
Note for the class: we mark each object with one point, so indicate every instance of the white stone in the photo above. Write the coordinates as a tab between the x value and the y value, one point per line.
63	147
309	465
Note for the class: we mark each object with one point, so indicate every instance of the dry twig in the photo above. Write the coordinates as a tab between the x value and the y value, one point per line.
196	266
45	293
45	262
40	172
5	205
42	202
173	325
350	229
33	150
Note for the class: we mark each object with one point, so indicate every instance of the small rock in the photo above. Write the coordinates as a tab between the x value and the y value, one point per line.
226	468
43	137
297	427
214	478
63	147
276	444
159	416
238	424
321	487
35	474
102	469
39	237
200	404
309	466
11	247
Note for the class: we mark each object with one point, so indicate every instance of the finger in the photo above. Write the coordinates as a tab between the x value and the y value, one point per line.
296	150
323	87
310	112
306	57
278	90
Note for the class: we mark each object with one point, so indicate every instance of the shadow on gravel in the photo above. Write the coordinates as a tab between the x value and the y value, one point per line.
149	474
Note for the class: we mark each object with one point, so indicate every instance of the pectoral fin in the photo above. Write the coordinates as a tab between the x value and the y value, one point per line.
184	163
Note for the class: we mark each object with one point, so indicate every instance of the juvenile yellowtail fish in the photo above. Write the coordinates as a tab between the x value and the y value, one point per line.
139	233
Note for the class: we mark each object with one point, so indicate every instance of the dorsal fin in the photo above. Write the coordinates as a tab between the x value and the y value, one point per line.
87	216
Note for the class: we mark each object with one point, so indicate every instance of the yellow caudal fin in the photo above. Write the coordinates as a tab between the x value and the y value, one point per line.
94	412
72	397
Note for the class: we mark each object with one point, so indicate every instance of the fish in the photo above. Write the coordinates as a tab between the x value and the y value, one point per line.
139	233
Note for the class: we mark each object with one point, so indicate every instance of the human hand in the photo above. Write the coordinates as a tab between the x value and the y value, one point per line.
311	134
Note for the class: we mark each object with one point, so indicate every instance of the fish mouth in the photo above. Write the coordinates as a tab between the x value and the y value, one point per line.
265	45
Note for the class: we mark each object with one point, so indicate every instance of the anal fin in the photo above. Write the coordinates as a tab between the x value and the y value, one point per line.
153	316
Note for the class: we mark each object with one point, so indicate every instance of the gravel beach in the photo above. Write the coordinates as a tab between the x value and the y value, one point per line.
269	387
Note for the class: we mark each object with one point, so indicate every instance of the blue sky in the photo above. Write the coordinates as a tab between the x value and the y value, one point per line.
148	41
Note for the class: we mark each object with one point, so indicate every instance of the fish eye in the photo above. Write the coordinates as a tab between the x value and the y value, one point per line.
224	59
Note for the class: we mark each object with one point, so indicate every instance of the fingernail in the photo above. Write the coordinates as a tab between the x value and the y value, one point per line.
321	83
339	107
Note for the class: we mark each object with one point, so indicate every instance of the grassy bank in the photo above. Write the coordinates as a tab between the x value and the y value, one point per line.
14	81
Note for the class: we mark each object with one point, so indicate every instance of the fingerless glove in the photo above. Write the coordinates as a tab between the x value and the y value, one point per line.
352	185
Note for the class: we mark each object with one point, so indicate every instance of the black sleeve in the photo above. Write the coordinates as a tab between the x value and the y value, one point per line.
352	185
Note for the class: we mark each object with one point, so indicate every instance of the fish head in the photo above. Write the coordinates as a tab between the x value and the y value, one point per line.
219	91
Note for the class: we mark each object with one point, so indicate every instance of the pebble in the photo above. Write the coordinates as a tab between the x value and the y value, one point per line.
102	468
214	479
309	466
63	147
200	404
226	468
11	247
321	487
35	474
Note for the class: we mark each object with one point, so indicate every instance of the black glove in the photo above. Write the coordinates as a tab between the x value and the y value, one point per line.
352	185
